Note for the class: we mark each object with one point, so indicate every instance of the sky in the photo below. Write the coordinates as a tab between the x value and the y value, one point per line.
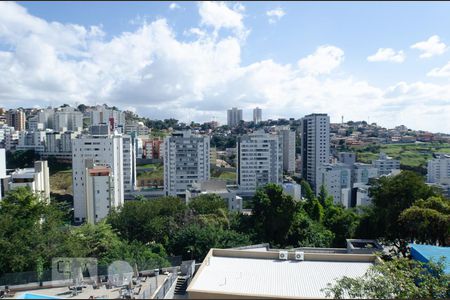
384	62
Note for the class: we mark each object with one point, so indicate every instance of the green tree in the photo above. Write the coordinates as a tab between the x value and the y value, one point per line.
396	279
150	220
195	240
427	221
305	232
31	232
390	196
207	204
273	214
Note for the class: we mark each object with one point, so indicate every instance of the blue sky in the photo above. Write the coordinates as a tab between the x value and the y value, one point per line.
192	60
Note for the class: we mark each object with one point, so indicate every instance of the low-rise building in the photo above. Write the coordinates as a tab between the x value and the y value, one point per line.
217	187
385	164
37	179
253	273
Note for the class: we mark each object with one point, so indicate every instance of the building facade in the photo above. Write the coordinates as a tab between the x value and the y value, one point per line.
439	169
315	149
288	138
259	161
257	115
16	118
234	116
385	164
186	161
37	179
105	150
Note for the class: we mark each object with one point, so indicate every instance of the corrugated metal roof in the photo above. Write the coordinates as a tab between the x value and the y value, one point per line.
282	278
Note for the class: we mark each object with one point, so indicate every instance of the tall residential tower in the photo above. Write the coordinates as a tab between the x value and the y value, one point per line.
315	147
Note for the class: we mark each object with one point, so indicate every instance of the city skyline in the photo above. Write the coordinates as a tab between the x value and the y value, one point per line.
193	61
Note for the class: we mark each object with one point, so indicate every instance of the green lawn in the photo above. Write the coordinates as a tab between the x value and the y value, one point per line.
156	173
413	155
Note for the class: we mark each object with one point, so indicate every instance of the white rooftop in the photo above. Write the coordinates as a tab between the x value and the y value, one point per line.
269	277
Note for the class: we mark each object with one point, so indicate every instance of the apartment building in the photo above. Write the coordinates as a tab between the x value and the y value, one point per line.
186	161
288	137
16	118
385	164
257	115
37	179
234	116
101	148
259	161
315	149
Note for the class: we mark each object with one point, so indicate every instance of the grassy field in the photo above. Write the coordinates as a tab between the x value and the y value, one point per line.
413	155
61	182
156	173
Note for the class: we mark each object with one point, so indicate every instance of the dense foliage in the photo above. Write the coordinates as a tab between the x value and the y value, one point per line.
396	279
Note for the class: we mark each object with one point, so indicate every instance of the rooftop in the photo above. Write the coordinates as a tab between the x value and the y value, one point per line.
257	273
425	253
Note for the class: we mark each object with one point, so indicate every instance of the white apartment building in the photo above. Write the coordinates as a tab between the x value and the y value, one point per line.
335	178
100	149
257	115
348	158
37	179
129	163
315	150
114	118
439	169
3	176
234	116
67	119
186	161
99	191
385	164
138	128
31	140
259	161
288	137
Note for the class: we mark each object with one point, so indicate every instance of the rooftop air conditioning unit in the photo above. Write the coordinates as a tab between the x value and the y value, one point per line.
299	255
283	255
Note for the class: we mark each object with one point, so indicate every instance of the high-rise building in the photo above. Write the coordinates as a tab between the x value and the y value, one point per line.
288	137
234	117
16	118
3	184
257	115
315	147
37	179
259	161
129	163
99	190
67	119
439	169
103	115
186	161
104	150
386	164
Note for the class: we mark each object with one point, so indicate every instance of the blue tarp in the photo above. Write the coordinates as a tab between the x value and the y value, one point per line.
425	253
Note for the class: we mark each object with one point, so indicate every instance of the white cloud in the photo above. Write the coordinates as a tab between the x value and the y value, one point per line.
275	14
387	54
218	15
431	47
440	72
151	71
173	6
325	59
